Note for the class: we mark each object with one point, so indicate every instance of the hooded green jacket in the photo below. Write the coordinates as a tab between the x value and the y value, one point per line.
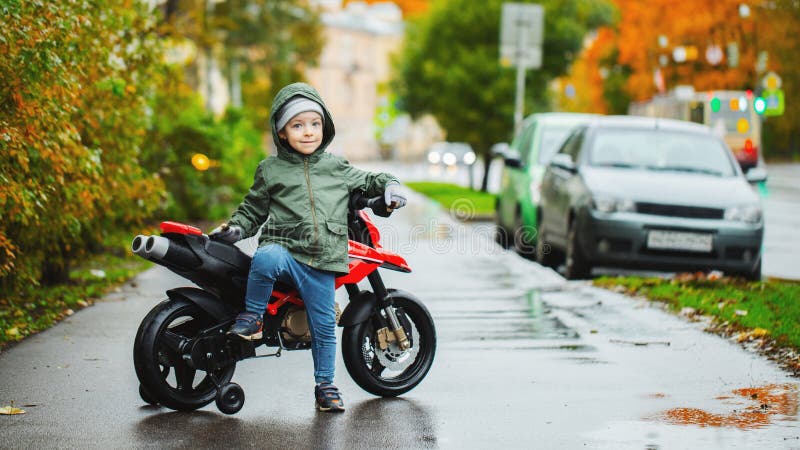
300	201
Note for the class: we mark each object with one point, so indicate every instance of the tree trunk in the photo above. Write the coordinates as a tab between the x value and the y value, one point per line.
55	270
487	161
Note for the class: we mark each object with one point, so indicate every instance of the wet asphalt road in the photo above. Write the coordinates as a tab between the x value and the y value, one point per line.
525	360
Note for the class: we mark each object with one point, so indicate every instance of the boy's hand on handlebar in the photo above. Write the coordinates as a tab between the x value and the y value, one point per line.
393	197
227	233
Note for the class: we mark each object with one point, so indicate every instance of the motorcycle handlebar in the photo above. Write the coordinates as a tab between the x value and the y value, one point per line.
377	204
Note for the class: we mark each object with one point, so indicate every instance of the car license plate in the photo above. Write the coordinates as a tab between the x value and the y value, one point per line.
680	240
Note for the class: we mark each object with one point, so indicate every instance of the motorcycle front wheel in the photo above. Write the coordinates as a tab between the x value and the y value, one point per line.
161	369
391	372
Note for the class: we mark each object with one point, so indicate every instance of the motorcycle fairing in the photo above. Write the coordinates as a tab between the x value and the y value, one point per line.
180	228
205	300
358	270
387	259
374	234
378	255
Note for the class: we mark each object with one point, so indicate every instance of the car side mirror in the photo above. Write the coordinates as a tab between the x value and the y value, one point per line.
499	150
756	175
563	161
513	160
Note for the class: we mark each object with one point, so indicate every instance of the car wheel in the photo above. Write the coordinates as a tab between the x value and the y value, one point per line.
500	232
524	237
501	236
545	253
577	266
752	275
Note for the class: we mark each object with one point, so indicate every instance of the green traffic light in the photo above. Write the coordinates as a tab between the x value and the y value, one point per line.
716	104
760	105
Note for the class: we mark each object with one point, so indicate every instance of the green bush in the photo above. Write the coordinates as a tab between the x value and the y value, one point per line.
182	129
77	78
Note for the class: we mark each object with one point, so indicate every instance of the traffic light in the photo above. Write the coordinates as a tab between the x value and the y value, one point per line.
760	105
716	104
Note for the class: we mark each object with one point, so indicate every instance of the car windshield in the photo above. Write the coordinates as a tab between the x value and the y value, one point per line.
550	141
660	150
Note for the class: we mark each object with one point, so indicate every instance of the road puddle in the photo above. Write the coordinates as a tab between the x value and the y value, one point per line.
542	324
752	408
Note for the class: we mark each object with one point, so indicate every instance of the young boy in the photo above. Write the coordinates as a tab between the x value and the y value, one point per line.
302	194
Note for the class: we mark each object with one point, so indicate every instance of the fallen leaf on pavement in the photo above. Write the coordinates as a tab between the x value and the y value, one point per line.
10	411
752	334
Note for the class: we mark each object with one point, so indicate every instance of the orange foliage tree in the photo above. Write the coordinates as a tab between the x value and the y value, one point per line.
649	32
410	8
622	61
585	77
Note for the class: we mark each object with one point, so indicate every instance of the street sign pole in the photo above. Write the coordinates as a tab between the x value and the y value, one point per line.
519	102
521	36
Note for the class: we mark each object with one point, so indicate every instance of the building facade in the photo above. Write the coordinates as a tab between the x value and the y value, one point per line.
353	69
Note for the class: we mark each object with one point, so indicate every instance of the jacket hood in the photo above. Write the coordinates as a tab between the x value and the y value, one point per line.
286	94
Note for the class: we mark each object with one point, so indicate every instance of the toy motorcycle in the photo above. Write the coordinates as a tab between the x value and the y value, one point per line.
184	358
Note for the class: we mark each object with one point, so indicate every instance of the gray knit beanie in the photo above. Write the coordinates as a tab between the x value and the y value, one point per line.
294	107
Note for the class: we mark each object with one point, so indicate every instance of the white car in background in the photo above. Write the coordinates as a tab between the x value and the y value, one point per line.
451	154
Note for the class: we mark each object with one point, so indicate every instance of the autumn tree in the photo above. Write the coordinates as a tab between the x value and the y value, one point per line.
450	66
77	77
624	59
777	33
410	8
261	45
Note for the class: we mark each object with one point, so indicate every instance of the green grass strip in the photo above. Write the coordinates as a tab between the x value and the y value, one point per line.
464	202
772	305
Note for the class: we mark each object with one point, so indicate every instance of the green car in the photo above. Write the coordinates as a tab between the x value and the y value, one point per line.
539	138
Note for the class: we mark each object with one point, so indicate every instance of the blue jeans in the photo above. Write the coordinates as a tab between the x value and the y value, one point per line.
272	263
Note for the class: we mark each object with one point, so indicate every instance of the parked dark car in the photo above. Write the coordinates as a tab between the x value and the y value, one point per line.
648	193
526	158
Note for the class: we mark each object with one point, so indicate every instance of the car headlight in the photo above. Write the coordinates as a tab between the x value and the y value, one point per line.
434	157
469	158
449	159
611	204
750	213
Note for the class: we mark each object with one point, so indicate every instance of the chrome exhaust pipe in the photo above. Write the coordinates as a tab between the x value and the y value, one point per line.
155	247
164	251
137	246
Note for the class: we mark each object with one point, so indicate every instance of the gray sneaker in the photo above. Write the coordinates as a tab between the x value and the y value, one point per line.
248	326
328	398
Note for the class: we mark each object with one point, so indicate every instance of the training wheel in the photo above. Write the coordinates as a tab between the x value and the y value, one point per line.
230	398
146	396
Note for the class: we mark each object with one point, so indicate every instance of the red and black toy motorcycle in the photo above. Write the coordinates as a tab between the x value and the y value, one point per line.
184	358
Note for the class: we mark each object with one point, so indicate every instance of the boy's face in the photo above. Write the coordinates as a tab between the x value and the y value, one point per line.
303	132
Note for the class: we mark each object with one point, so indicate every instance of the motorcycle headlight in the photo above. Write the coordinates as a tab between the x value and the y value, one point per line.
606	204
750	213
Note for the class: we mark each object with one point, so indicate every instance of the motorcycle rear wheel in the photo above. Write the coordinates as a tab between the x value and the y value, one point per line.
405	369
161	371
